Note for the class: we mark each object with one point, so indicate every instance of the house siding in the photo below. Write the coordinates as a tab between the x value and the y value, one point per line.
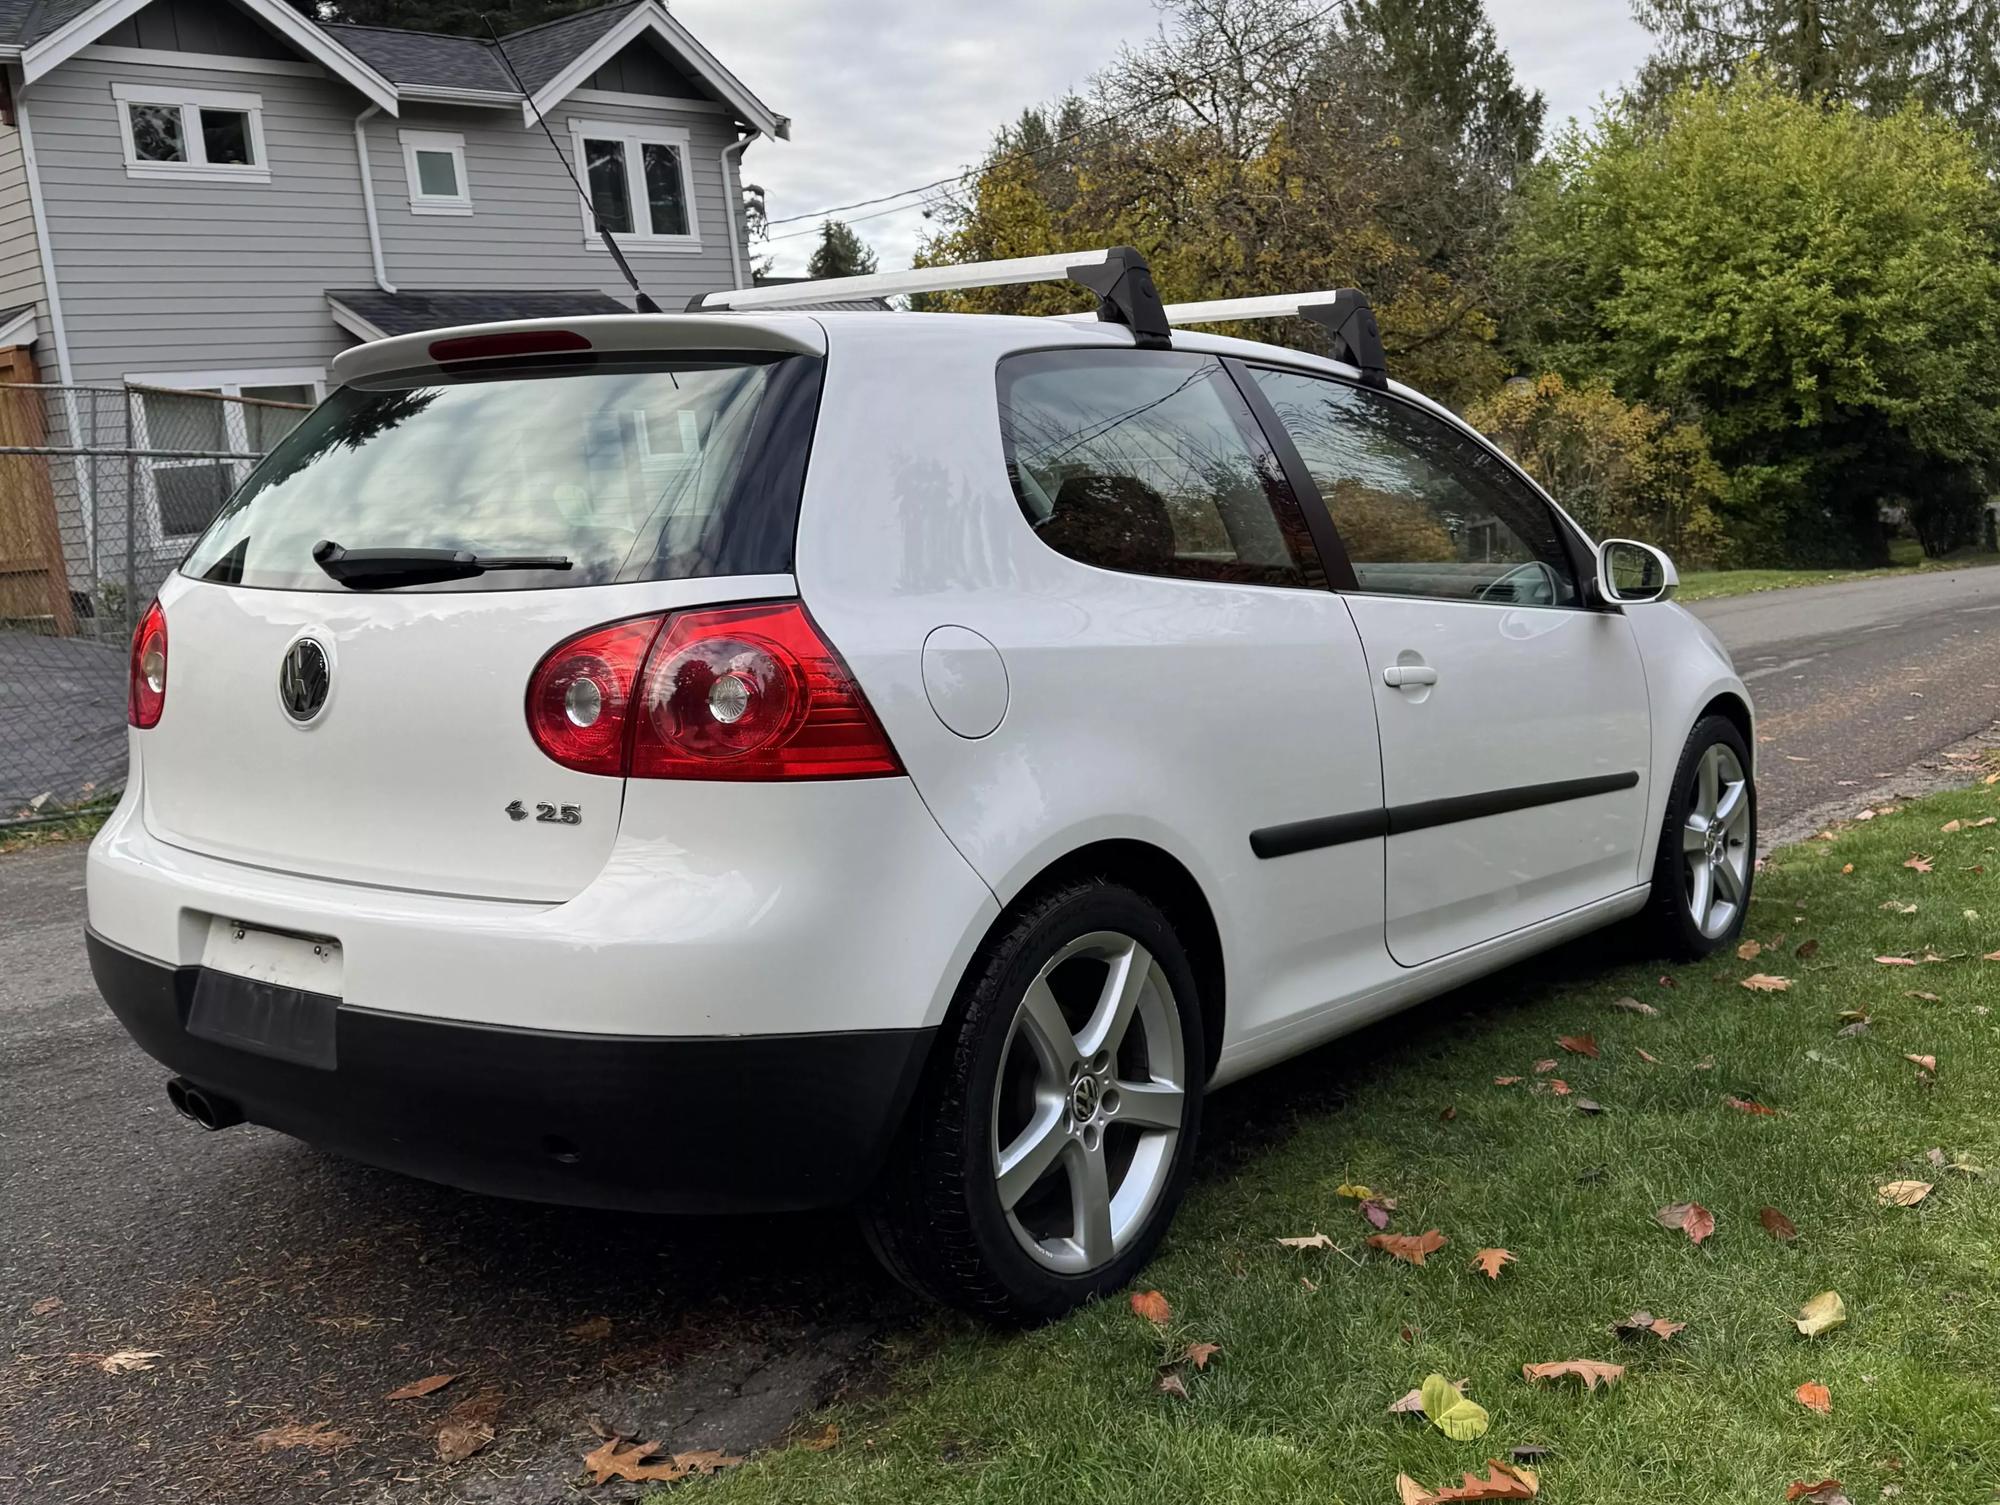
20	254
159	276
526	229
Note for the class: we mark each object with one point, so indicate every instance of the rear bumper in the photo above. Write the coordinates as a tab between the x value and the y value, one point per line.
690	1124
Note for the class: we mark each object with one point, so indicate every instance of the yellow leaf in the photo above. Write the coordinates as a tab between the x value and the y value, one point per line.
1452	1413
1308	1241
1749	951
1359	1193
1821	1314
1760	982
1902	1193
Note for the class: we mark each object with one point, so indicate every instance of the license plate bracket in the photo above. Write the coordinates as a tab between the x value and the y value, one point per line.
269	993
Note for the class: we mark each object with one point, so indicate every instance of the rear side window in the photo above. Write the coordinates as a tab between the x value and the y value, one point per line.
1149	462
1423	509
652	471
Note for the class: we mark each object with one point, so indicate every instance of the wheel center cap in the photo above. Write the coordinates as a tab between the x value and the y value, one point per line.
1083	1099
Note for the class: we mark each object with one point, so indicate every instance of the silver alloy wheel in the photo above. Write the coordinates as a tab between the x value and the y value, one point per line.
1715	842
1086	1114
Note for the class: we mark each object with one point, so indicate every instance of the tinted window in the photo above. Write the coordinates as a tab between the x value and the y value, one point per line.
1424	509
646	472
1149	461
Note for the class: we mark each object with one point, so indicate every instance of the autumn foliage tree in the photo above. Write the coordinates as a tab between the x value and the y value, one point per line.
1254	147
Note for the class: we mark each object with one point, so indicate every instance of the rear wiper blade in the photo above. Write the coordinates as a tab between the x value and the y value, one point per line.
365	569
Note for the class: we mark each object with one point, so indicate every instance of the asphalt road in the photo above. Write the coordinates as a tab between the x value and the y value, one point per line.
279	1287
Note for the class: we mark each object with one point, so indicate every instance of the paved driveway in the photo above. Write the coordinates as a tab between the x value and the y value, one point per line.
280	1286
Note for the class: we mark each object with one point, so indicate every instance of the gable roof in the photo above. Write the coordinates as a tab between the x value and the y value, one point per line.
388	64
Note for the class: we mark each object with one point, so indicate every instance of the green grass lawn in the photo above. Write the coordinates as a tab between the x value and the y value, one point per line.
1317	1344
1705	585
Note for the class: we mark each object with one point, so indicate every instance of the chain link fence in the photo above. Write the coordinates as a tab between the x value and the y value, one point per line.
102	490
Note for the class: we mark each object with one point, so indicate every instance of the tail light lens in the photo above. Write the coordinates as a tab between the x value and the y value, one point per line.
737	692
146	686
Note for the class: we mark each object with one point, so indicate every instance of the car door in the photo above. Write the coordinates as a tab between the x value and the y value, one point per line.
1513	715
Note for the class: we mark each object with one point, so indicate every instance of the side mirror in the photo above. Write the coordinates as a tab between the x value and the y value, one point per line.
1631	573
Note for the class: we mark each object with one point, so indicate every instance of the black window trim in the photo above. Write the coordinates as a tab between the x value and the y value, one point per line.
1318	572
1576	548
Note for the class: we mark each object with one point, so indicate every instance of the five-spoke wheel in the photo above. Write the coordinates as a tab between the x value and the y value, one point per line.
1716	841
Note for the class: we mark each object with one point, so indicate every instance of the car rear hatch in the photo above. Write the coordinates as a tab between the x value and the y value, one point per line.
350	644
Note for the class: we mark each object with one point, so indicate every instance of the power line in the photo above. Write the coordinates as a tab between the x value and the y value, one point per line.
1309	19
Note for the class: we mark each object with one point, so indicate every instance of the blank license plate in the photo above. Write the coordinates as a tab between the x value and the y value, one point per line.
269	993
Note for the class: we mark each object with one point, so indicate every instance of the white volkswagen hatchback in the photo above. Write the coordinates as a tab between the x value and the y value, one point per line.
764	759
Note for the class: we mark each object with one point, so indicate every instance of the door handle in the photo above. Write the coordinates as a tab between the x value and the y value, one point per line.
1401	676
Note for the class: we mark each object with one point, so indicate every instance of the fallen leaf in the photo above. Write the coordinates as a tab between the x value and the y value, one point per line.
1448	1409
1923	1063
1558	1086
1902	1193
1152	1306
1449	1114
1412	1248
1927	997
424	1386
1410	1492
1897	961
1490	1260
1935	1156
1896	906
1542	1067
1198	1354
1588	1105
1821	1314
1359	1193
1502	1482
459	1438
1858	1027
1305	1241
1965	1166
1579	1045
1749	951
1848	868
1376	1210
1918	863
1505	1081
1991	956
1745	1105
594	1329
128	1361
1634	1006
1693	1219
1529	1452
1806	950
1763	982
1590	1371
319	1436
1171	1383
45	1306
824	1442
1649	1058
1777	1224
1646	1322
1815	1397
618	1459
1826	1492
1853	1016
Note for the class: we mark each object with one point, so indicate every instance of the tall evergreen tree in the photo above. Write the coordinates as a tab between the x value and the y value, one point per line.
1440	58
840	253
1876	54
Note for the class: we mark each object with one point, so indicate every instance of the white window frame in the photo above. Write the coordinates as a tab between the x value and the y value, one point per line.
635	137
236	430
436	141
190	103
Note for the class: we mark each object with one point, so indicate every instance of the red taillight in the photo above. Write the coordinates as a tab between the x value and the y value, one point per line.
737	692
146	687
580	697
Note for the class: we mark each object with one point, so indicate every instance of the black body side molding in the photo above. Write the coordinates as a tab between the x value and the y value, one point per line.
1399	820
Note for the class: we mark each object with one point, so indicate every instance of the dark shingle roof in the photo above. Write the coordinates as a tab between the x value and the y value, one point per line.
24	22
539	53
409	311
425	57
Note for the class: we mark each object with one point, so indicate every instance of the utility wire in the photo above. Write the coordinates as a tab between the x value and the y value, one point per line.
1309	19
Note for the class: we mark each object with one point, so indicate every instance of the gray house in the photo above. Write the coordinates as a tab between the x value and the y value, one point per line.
220	195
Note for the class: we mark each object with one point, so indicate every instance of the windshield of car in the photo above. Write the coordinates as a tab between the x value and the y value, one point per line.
625	472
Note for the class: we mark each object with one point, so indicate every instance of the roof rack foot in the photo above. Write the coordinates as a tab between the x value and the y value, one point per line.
1123	283
1350	319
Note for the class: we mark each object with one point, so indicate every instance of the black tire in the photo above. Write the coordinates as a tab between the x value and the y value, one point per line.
935	1217
1668	925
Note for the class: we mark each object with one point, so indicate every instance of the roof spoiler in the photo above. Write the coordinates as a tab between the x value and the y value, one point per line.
1118	275
1344	313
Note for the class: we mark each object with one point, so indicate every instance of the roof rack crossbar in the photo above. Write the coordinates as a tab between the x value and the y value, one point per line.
1344	313
1118	275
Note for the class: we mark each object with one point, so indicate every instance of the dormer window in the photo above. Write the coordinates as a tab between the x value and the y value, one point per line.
196	134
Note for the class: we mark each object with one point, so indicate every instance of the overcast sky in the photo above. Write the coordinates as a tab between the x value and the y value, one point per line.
886	94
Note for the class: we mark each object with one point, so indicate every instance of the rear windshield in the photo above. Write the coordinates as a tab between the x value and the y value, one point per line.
653	472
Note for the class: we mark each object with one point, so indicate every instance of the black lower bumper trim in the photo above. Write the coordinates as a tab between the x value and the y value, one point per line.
683	1124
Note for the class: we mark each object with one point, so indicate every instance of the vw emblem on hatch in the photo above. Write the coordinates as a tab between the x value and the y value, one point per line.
304	677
